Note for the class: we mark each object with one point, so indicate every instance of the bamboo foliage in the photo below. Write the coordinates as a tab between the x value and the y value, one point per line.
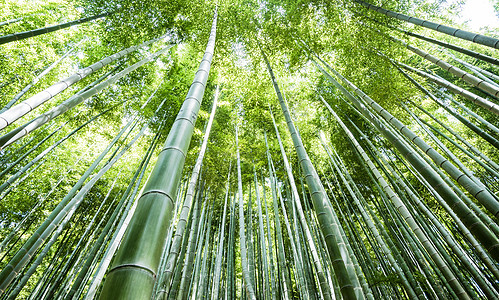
389	193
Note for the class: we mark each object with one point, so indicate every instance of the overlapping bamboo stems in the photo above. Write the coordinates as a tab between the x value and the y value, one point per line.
400	262
46	228
249	238
478	192
284	280
489	138
325	288
124	207
208	246
145	238
177	275
475	152
369	222
73	101
319	239
200	246
274	285
31	33
473	37
42	155
328	222
28	273
479	230
266	286
179	232
489	169
478	100
218	262
303	289
230	264
445	149
247	278
9	116
408	217
468	111
191	245
35	80
450	46
416	202
483	74
78	198
449	239
33	148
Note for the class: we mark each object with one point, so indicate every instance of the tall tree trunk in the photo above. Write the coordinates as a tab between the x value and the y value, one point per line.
136	263
322	205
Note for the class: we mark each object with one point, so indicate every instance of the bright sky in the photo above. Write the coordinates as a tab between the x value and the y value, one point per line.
479	13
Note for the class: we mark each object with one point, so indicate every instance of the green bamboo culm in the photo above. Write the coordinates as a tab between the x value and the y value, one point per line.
27	34
321	203
134	269
462	34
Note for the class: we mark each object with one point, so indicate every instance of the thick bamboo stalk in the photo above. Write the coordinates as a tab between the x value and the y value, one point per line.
135	266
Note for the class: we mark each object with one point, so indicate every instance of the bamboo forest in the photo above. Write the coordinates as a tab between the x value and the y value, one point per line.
244	149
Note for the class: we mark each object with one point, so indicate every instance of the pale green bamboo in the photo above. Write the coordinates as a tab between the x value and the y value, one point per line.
248	283
263	247
370	224
281	259
322	206
466	35
134	270
480	231
9	116
73	101
218	263
325	288
403	210
191	245
186	208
